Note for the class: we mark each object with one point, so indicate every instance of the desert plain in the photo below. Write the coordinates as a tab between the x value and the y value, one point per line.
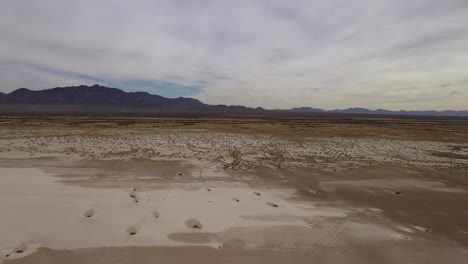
233	189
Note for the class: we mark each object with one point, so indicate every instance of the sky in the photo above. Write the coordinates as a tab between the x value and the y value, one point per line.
330	54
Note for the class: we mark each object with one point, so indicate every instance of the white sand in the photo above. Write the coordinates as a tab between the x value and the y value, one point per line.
394	184
39	211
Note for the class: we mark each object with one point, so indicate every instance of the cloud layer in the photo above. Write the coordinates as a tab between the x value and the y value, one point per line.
393	54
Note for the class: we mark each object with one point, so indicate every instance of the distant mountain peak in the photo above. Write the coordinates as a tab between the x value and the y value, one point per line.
307	109
20	90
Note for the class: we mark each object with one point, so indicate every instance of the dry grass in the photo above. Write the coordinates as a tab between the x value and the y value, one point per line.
293	129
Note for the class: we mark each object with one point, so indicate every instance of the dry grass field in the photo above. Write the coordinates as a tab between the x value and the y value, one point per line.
295	128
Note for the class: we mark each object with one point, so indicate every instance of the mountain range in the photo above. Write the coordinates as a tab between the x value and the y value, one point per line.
96	98
101	99
383	112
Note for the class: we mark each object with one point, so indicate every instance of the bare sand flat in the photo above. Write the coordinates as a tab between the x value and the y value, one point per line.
232	220
191	197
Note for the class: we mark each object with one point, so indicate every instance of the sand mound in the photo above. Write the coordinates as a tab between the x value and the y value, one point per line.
89	213
21	248
131	230
156	214
272	204
193	224
423	229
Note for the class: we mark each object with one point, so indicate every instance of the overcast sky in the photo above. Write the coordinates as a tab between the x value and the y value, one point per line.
393	54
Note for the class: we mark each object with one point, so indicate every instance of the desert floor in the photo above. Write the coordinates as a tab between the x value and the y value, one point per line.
230	190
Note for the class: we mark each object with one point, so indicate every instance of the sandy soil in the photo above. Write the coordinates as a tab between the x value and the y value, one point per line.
177	196
232	151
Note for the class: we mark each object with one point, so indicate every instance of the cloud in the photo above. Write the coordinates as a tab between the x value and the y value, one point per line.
165	89
414	100
274	54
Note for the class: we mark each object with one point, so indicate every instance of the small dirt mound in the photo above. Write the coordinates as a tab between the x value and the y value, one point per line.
21	248
272	204
236	200
156	214
89	213
257	193
131	230
193	224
